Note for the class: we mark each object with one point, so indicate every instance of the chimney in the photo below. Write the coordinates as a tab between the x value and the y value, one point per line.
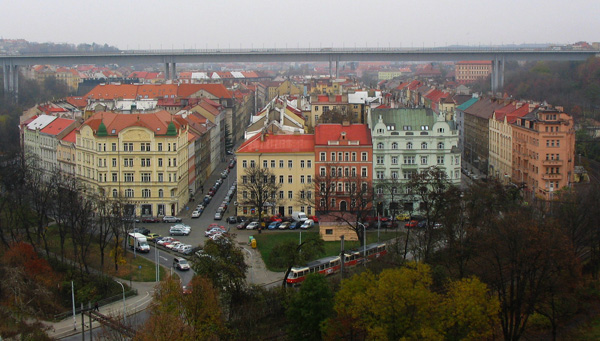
262	137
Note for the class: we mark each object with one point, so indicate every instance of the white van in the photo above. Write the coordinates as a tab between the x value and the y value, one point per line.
299	216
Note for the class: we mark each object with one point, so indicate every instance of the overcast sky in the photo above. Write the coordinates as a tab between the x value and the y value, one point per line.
198	24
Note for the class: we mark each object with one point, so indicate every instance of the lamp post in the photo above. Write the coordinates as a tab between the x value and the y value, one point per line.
364	241
124	311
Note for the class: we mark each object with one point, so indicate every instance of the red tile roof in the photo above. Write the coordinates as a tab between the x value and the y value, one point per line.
279	144
57	126
78	102
156	122
332	132
70	137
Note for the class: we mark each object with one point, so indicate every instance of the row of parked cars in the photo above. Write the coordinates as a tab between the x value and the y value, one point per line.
273	223
223	207
174	245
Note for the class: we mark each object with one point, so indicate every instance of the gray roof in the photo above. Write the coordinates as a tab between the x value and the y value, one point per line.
404	117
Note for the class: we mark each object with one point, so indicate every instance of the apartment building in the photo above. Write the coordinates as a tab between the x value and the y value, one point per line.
543	151
143	158
407	141
291	159
472	70
41	138
344	164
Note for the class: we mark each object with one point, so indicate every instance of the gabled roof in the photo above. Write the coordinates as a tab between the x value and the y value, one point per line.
333	132
113	91
57	126
278	144
484	108
40	122
77	101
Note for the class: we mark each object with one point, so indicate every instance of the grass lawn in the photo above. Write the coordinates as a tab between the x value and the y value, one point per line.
137	269
267	240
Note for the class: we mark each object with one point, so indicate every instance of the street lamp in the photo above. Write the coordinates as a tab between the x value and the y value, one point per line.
364	241
124	311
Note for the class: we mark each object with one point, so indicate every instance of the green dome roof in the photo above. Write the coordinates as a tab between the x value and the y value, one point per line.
102	130
171	130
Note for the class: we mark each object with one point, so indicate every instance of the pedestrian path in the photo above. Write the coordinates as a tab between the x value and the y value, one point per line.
133	305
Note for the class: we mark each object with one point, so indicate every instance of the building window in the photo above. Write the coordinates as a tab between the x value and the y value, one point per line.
145	162
363	172
346	156
114	147
280	194
161	193
244	164
301	179
272	163
394	160
290	179
128	162
146	193
160	162
145	177
115	193
114	162
160	177
115	178
308	163
280	163
364	156
290	195
440	145
409	160
281	179
128	177
290	164
265	164
379	174
145	146
160	147
129	193
423	160
353	172
128	147
332	156
380	160
440	160
252	163
409	145
322	171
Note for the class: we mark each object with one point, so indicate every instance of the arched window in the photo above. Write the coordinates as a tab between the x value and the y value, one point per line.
409	145
395	145
380	145
161	193
441	145
115	193
424	145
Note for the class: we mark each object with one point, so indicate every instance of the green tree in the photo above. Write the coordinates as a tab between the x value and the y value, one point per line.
309	307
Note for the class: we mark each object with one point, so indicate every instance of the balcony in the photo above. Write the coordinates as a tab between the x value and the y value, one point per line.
552	162
551	176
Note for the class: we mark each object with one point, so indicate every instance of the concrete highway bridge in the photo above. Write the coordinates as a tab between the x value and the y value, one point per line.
170	58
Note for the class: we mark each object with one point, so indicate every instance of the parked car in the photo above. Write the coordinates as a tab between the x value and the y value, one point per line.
411	223
308	223
141	230
181	264
422	224
218	215
206	199
200	207
253	225
196	214
173	244
295	225
274	225
212	231
232	219
284	225
186	228
403	217
314	218
171	219
150	220
240	226
242	219
152	236
177	231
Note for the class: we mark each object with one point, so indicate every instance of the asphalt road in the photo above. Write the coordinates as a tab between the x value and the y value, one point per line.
198	225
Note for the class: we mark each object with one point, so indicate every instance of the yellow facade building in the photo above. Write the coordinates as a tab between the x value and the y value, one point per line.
142	158
291	160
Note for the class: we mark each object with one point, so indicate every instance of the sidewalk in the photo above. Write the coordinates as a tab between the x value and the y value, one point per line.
133	305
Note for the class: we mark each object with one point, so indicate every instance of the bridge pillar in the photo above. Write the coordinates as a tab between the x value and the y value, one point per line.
174	71
330	71
16	83
337	71
5	70
497	75
167	77
11	81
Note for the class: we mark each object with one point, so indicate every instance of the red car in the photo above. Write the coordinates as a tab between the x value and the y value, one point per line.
314	218
412	223
275	219
150	220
